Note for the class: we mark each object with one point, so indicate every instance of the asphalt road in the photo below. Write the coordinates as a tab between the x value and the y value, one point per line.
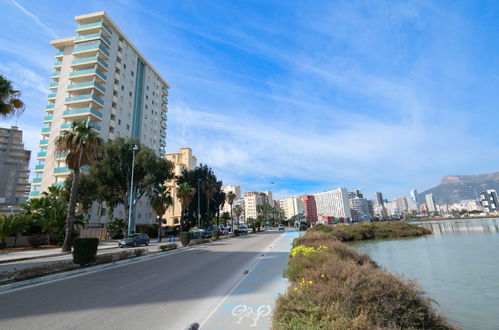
168	292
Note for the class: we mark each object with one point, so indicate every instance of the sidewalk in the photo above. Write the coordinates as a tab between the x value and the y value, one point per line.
250	304
10	257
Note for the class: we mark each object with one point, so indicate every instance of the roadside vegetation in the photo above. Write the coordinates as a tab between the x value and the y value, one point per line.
334	287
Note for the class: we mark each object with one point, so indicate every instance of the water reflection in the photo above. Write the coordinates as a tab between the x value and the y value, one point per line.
442	227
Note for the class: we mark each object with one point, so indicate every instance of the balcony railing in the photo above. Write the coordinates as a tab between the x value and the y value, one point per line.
47	118
54	84
94	126
163	131
89	59
82	111
52	95
45	129
56	74
88	84
42	154
164	107
50	106
92	36
57	63
42	142
96	24
89	71
162	141
163	115
84	98
91	47
37	180
60	53
39	167
61	170
34	193
165	98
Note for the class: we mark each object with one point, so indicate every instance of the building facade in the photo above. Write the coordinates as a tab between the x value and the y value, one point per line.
183	160
291	206
310	208
489	201
234	189
378	198
333	203
100	77
430	203
14	170
254	198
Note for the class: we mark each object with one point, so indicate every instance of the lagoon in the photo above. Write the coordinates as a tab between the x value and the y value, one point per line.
458	266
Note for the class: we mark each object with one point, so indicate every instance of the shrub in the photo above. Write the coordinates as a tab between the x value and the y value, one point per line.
185	238
236	232
199	241
112	257
216	235
168	247
38	271
37	240
85	250
334	287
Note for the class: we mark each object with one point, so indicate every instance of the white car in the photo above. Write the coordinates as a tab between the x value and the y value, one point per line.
243	229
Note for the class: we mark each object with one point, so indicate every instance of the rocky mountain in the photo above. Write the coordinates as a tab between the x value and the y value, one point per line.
454	188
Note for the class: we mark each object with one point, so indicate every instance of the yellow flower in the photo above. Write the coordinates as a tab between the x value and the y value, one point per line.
310	282
322	276
296	289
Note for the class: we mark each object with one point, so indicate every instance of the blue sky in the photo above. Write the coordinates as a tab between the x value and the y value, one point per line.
378	95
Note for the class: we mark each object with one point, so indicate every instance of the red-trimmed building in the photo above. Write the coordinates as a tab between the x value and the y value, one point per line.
310	207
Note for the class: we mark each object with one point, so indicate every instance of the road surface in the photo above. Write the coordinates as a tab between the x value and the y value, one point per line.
168	292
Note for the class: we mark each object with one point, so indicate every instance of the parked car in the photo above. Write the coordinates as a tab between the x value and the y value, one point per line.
207	233
134	240
243	229
281	228
269	228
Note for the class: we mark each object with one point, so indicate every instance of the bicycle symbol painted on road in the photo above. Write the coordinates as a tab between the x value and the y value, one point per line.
243	311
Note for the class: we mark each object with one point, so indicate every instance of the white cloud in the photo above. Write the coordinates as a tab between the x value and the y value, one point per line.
36	20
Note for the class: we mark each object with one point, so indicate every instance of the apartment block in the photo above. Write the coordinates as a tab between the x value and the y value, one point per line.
430	203
183	161
14	170
489	201
234	189
291	206
254	198
100	77
310	208
333	203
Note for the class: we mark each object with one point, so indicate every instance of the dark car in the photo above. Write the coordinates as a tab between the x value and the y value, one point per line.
207	233
134	240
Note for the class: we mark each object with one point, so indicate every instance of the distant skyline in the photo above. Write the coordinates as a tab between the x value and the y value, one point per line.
284	96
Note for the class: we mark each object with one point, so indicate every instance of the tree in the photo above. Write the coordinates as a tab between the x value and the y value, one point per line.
209	187
184	193
86	191
225	217
229	197
112	172
192	177
82	145
238	210
11	225
160	200
10	102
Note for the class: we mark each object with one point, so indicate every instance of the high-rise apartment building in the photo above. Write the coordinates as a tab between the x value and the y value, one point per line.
489	201
14	170
100	77
183	160
430	203
414	196
333	203
378	198
252	199
310	208
402	205
291	206
234	189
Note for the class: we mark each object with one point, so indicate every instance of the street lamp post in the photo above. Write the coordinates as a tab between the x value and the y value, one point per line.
199	206
130	204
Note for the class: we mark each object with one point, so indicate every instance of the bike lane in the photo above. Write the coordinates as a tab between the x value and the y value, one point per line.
250	304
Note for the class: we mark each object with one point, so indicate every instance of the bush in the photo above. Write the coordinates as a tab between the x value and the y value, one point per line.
168	247
112	257
236	232
216	235
85	250
199	241
185	238
38	271
37	240
334	287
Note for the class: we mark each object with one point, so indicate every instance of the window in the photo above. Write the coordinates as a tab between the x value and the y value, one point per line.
113	117
153	94
130	93
116	82
111	129
118	71
122	87
147	97
119	121
127	127
120	49
115	93
124	66
114	105
118	59
132	73
147	87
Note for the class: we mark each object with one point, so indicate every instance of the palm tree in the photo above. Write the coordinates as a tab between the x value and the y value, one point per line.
10	104
209	187
160	200
82	146
238	210
229	198
184	194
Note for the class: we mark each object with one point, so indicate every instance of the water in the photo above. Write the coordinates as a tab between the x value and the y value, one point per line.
458	266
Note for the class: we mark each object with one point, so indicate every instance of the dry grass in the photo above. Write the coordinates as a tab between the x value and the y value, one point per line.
337	288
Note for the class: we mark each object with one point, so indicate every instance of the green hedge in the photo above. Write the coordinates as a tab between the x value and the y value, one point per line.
216	234
85	250
185	238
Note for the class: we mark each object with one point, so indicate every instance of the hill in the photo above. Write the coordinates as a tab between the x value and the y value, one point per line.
454	188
